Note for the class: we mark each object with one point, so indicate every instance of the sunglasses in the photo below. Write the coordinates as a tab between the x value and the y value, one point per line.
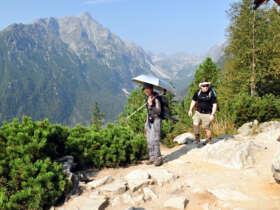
204	85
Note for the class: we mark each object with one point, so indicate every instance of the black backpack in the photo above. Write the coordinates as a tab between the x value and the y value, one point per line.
211	92
165	111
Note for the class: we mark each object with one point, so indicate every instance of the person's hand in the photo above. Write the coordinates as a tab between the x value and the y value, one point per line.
190	113
150	101
212	117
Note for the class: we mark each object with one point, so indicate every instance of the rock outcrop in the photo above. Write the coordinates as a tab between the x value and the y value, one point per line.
248	128
234	172
230	154
276	166
184	138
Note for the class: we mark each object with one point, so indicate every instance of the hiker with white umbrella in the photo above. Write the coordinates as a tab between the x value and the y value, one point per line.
154	110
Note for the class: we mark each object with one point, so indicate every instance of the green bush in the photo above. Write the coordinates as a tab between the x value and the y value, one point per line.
109	147
29	178
245	108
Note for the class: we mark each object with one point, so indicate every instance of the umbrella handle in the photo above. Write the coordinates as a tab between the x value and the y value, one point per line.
136	111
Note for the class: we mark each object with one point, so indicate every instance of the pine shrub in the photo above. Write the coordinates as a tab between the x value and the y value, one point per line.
245	108
110	147
29	178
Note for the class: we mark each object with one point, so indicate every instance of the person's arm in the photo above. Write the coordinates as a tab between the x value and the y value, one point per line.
191	108
194	101
157	107
154	105
214	109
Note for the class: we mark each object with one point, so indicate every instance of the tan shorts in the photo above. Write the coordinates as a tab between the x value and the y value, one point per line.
204	119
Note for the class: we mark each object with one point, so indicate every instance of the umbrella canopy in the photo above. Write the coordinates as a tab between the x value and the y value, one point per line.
156	82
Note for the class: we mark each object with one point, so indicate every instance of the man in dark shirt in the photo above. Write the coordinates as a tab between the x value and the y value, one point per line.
206	102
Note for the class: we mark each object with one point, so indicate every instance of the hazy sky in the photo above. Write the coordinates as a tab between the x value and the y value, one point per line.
166	26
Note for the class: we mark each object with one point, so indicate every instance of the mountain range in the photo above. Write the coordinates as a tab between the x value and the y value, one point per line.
180	67
57	68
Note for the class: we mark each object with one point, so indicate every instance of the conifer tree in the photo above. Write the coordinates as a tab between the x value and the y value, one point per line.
238	75
252	64
269	73
97	116
209	71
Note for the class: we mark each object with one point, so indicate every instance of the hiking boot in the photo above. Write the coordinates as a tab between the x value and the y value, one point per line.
158	162
197	139
209	140
149	162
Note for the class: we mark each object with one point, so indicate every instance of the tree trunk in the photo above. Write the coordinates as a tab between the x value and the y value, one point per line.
253	77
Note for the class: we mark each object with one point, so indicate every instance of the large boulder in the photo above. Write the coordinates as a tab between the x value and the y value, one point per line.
184	138
179	202
115	188
226	192
269	126
149	194
137	174
137	179
161	176
230	154
100	182
86	203
276	167
248	128
67	165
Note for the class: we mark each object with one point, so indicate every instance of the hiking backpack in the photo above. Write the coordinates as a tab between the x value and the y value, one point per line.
211	91
165	111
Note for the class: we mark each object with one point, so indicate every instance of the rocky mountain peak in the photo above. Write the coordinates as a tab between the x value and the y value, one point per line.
85	15
75	58
217	51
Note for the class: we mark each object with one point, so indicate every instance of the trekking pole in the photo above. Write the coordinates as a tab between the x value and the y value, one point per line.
142	107
136	111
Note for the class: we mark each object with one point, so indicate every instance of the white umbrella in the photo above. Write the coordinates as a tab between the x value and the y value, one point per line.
156	82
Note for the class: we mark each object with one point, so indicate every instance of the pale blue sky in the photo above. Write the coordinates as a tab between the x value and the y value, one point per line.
166	26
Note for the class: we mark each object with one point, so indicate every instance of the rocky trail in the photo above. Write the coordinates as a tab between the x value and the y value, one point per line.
232	173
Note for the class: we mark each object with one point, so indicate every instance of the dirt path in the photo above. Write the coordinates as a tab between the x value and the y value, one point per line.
210	186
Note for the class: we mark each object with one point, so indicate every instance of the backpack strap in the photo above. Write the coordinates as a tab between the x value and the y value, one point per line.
211	91
214	93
